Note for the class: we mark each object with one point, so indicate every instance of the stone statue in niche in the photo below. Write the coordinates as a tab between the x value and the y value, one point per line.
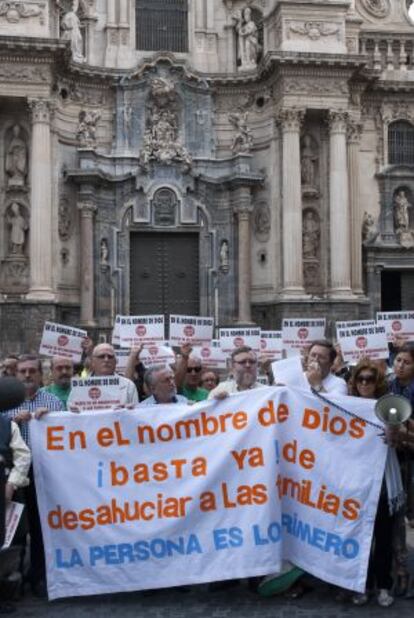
308	164
16	159
311	235
243	140
224	256
71	31
261	222
369	229
247	39
104	253
401	210
87	128
18	228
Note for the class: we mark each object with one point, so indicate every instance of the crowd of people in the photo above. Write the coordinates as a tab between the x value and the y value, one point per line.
47	385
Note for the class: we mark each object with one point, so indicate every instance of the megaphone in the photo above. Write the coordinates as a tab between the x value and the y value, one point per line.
393	409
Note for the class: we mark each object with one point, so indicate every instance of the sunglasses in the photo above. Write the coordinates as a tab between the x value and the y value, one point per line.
366	379
105	356
193	369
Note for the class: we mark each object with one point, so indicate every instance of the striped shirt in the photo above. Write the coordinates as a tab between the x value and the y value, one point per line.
40	400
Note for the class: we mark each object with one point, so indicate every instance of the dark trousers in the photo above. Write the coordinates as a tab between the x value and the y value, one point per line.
380	562
37	571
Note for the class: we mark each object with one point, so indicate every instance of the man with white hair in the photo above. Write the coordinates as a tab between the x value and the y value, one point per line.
160	382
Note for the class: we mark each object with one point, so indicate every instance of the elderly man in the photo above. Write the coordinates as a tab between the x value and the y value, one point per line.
10	366
62	372
244	370
103	363
160	382
318	374
188	375
37	403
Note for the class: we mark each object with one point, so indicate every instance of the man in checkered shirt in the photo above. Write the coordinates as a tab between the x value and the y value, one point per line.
37	403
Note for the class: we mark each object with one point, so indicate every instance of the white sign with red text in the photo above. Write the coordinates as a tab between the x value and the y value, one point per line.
365	341
299	333
397	324
134	330
115	330
61	340
212	356
232	338
157	354
95	393
190	329
271	344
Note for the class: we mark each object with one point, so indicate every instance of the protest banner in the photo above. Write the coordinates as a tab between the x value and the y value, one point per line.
212	356
61	340
174	495
366	341
232	338
14	512
190	329
95	393
397	324
271	344
156	354
299	333
135	330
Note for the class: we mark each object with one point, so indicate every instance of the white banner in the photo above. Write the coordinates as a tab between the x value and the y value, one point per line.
95	393
397	323
135	330
190	329
271	344
368	341
232	338
299	333
61	340
173	495
212	356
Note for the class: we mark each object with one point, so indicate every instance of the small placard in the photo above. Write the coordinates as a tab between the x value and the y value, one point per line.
397	324
212	356
271	344
135	330
190	329
61	340
298	334
367	341
232	338
95	393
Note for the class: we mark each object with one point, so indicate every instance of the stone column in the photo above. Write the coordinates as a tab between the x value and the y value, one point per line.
290	121
354	136
123	12
41	241
87	209
243	209
339	206
111	13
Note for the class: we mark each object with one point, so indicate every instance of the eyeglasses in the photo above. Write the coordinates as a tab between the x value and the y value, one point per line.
247	361
366	379
105	356
193	369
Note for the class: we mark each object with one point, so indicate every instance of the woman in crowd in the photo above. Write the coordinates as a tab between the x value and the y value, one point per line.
369	382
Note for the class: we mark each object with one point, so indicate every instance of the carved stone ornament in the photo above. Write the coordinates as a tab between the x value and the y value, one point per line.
15	11
104	254
290	118
15	274
248	47
65	220
262	221
315	30
70	27
402	224
16	159
14	72
224	256
311	233
17	226
309	166
161	139
164	205
400	110
243	140
316	86
312	277
369	229
87	128
377	8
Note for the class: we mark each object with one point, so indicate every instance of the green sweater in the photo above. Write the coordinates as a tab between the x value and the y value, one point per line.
59	392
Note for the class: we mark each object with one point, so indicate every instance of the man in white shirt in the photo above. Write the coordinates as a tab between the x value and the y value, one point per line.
244	370
318	369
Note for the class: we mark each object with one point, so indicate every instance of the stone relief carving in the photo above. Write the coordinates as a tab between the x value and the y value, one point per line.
401	211
87	128
70	26
262	222
377	8
18	227
314	30
308	165
243	140
104	254
248	47
316	86
15	274
13	72
311	234
224	256
369	229
312	277
65	219
16	159
161	140
164	205
15	11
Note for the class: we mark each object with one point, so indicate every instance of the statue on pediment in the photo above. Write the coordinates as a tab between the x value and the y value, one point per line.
248	46
71	31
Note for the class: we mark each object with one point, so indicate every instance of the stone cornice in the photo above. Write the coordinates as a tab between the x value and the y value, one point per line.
34	45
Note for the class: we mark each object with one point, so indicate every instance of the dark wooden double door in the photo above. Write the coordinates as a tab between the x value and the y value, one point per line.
164	273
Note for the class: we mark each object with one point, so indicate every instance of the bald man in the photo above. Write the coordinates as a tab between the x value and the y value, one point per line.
62	372
103	363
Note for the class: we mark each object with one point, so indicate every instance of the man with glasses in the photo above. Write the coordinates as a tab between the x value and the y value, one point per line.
244	371
318	374
160	382
103	363
188	376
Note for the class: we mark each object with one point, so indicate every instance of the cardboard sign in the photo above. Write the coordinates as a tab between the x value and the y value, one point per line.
298	334
14	511
355	324
95	393
271	344
368	341
156	354
61	340
134	330
232	338
212	356
189	329
397	323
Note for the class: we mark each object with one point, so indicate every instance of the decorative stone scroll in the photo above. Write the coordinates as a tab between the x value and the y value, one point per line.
377	8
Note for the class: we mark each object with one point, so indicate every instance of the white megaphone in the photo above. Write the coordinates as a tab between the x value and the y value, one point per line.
393	409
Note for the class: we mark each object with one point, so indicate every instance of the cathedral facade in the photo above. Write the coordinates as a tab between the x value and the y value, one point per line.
243	159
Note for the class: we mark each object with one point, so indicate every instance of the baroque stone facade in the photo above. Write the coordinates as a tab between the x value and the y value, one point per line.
263	136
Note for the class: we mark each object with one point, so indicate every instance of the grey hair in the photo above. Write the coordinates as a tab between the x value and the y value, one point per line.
149	375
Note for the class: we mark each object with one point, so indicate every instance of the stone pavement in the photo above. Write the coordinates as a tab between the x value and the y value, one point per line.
238	602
